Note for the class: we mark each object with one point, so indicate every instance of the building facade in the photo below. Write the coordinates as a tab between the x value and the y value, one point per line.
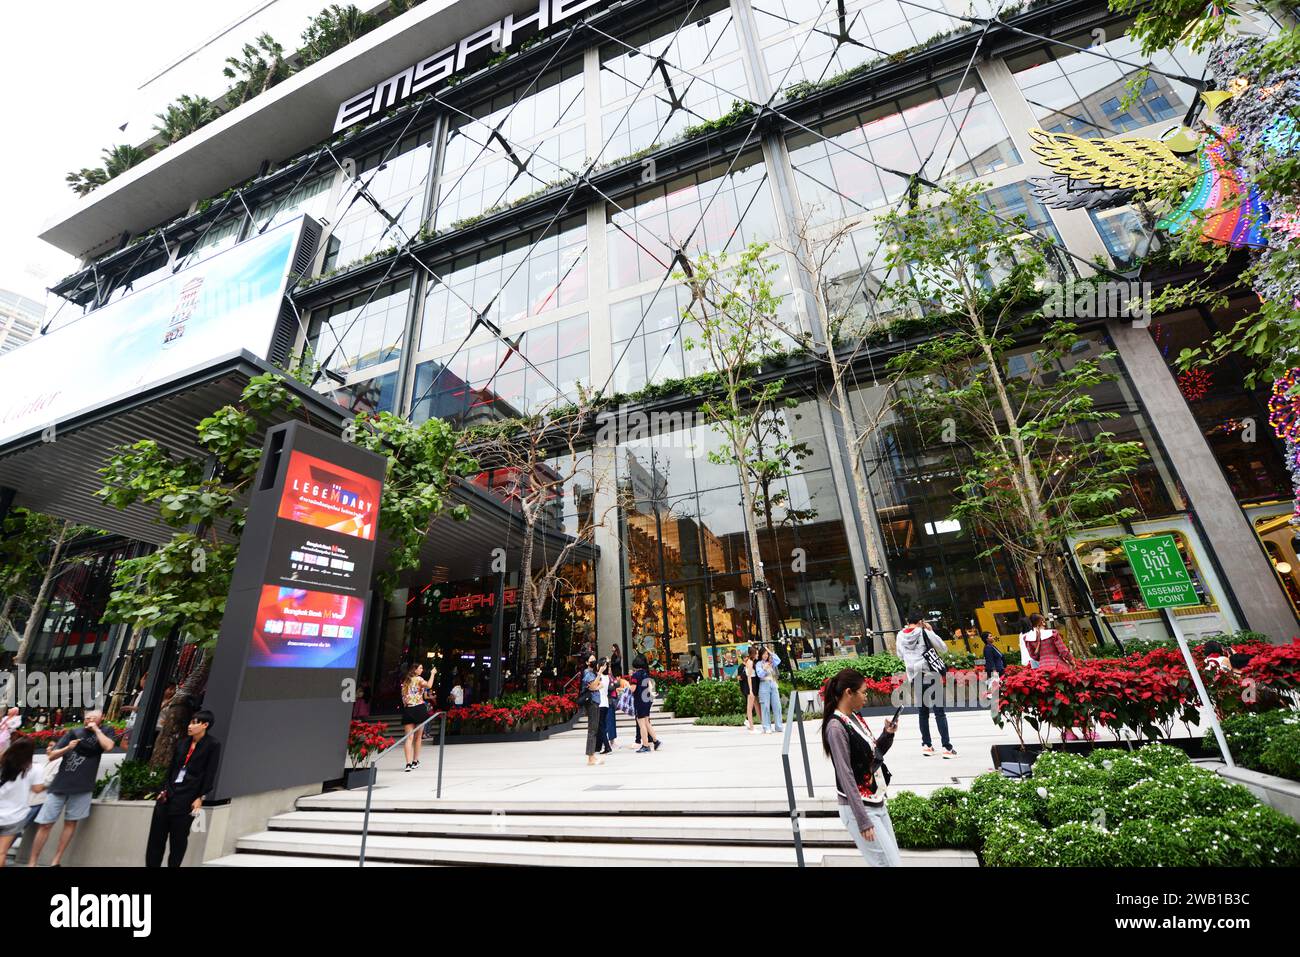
504	212
20	320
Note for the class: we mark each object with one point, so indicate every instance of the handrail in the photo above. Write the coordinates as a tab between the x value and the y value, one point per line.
370	788
795	717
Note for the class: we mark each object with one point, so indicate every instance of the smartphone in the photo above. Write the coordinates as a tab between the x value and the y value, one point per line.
897	712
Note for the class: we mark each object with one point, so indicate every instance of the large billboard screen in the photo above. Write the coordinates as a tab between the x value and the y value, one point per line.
219	306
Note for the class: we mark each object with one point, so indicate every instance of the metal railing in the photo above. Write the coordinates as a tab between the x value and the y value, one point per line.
370	788
794	718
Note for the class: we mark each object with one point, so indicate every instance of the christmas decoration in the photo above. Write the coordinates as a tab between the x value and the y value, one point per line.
1195	384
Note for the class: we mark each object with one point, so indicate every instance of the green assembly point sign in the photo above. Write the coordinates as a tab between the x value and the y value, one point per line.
1161	574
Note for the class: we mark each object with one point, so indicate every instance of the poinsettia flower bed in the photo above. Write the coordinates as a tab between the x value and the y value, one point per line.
489	718
1143	695
366	741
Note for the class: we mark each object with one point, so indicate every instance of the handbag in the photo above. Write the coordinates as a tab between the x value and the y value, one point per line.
625	702
931	657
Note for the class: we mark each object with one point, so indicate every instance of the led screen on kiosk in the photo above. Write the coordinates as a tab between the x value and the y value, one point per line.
222	305
312	605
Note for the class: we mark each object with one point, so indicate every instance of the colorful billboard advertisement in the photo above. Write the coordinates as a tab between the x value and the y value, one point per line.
221	305
323	495
304	628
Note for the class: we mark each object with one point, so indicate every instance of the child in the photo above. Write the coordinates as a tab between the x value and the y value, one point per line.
994	664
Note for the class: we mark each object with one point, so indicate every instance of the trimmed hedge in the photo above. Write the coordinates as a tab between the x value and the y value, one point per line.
1146	808
705	698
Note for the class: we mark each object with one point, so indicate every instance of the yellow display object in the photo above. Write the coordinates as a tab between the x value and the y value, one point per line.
1120	163
993	616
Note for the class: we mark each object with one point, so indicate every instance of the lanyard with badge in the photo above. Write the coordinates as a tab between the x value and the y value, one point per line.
180	778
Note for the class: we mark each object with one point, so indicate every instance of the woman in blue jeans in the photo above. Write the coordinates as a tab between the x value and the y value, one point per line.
769	695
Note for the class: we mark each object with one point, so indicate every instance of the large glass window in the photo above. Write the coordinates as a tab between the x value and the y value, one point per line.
361	331
523	277
394	177
812	40
311	198
645	101
488	379
1081	92
959	131
512	145
713	211
687	563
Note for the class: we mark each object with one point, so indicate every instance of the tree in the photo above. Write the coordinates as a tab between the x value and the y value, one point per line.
185	116
735	310
1040	464
34	547
85	180
117	160
536	461
332	29
843	305
259	66
183	584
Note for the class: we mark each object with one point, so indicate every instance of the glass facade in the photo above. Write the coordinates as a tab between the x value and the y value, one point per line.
589	300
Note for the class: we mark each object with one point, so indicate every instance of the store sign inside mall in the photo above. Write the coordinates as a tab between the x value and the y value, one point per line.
474	49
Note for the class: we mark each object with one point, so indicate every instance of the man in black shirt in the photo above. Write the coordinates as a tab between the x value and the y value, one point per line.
192	775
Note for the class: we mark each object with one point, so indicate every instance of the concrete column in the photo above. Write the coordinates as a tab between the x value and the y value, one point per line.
1075	225
1242	561
609	566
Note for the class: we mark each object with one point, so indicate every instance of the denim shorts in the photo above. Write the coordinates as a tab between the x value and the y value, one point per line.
14	829
77	807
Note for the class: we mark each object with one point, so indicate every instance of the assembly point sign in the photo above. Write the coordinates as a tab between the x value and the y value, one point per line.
1161	574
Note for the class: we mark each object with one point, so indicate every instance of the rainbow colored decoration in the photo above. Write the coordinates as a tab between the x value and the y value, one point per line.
1240	218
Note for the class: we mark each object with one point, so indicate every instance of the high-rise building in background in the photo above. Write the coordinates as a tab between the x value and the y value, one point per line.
20	320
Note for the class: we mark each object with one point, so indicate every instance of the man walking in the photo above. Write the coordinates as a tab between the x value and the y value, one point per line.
73	786
192	773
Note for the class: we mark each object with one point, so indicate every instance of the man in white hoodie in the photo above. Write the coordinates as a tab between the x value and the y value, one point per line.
925	684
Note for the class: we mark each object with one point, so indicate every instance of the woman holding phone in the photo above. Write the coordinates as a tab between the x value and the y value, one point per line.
860	775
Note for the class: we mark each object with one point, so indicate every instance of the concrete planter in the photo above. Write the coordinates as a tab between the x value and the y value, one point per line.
1281	794
116	833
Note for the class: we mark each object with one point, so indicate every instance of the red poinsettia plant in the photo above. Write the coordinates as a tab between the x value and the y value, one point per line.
489	718
366	741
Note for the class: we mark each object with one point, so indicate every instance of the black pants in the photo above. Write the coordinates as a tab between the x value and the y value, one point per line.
593	726
602	739
164	827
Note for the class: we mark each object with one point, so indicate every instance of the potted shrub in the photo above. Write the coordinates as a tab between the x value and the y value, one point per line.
365	743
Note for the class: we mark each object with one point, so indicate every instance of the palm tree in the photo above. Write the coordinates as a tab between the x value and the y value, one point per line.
119	159
332	29
187	114
85	180
260	66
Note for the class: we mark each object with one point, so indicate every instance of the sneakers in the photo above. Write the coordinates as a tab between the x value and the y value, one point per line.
926	750
949	753
642	750
415	763
409	765
657	742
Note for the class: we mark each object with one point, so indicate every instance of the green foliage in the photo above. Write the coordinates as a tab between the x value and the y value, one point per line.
259	66
185	116
423	461
184	582
116	161
1054	769
332	29
1076	844
869	666
1041	463
1019	843
706	698
137	781
1267	741
1164	24
1150	843
739	111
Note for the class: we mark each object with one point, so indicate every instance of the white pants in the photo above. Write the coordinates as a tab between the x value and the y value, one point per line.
883	851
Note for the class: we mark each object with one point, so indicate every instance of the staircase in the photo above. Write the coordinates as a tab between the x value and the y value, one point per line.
666	819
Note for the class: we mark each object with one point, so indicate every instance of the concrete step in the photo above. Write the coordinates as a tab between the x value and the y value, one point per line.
704	802
558	827
433	850
290	860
